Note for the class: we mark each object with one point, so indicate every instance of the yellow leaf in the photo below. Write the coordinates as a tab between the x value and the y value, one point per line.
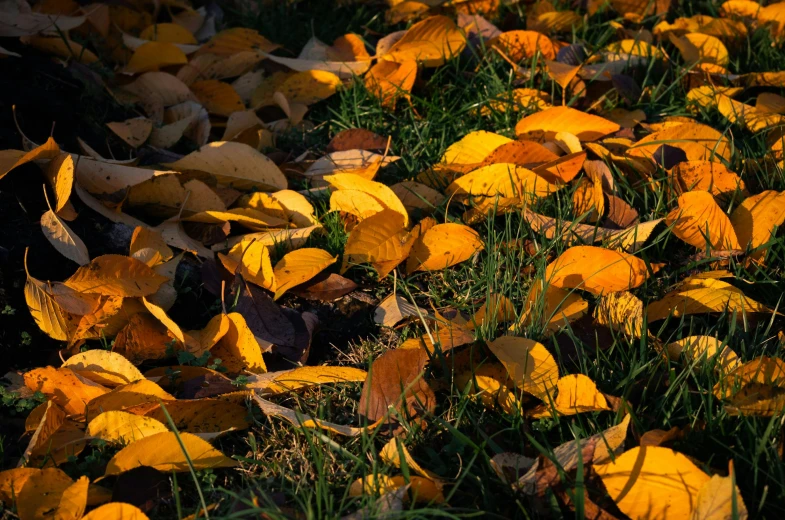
389	81
64	387
430	42
588	200
168	32
73	501
597	270
701	296
217	97
285	204
64	239
116	275
696	350
298	267
653	482
123	427
699	142
442	246
553	309
10	159
546	124
235	164
253	262
756	218
504	180
60	174
561	73
118	510
250	218
148	246
529	364
153	55
163	452
51	421
126	396
491	383
12	481
307	87
235	40
520	45
708	176
621	311
238	349
276	383
701	48
472	149
700	222
720	498
381	192
576	394
381	240
355	202
104	367
40	497
395	453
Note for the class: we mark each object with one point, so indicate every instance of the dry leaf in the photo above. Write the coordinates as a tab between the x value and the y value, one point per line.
167	452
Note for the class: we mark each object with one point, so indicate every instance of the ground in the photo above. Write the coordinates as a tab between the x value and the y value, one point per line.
305	474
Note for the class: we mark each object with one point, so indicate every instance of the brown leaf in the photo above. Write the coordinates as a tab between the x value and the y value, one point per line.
325	287
356	139
661	437
548	474
394	380
619	213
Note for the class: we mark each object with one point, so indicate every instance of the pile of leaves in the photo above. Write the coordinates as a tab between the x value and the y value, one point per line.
599	216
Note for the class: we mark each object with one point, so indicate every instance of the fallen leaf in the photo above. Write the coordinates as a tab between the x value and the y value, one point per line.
168	452
299	266
381	240
123	427
442	246
104	367
234	164
701	296
700	222
546	124
597	270
651	481
528	363
430	42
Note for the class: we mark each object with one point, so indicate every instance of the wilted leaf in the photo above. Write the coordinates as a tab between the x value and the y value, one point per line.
123	427
652	482
546	124
442	246
104	367
163	451
115	275
381	240
597	270
235	164
703	295
430	42
299	266
700	222
529	364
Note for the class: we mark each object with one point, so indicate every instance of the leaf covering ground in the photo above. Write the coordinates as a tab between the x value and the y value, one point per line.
353	259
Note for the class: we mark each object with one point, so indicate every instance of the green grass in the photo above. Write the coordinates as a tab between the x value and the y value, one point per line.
310	472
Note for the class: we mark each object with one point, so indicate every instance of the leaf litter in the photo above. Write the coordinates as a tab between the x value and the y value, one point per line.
285	238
